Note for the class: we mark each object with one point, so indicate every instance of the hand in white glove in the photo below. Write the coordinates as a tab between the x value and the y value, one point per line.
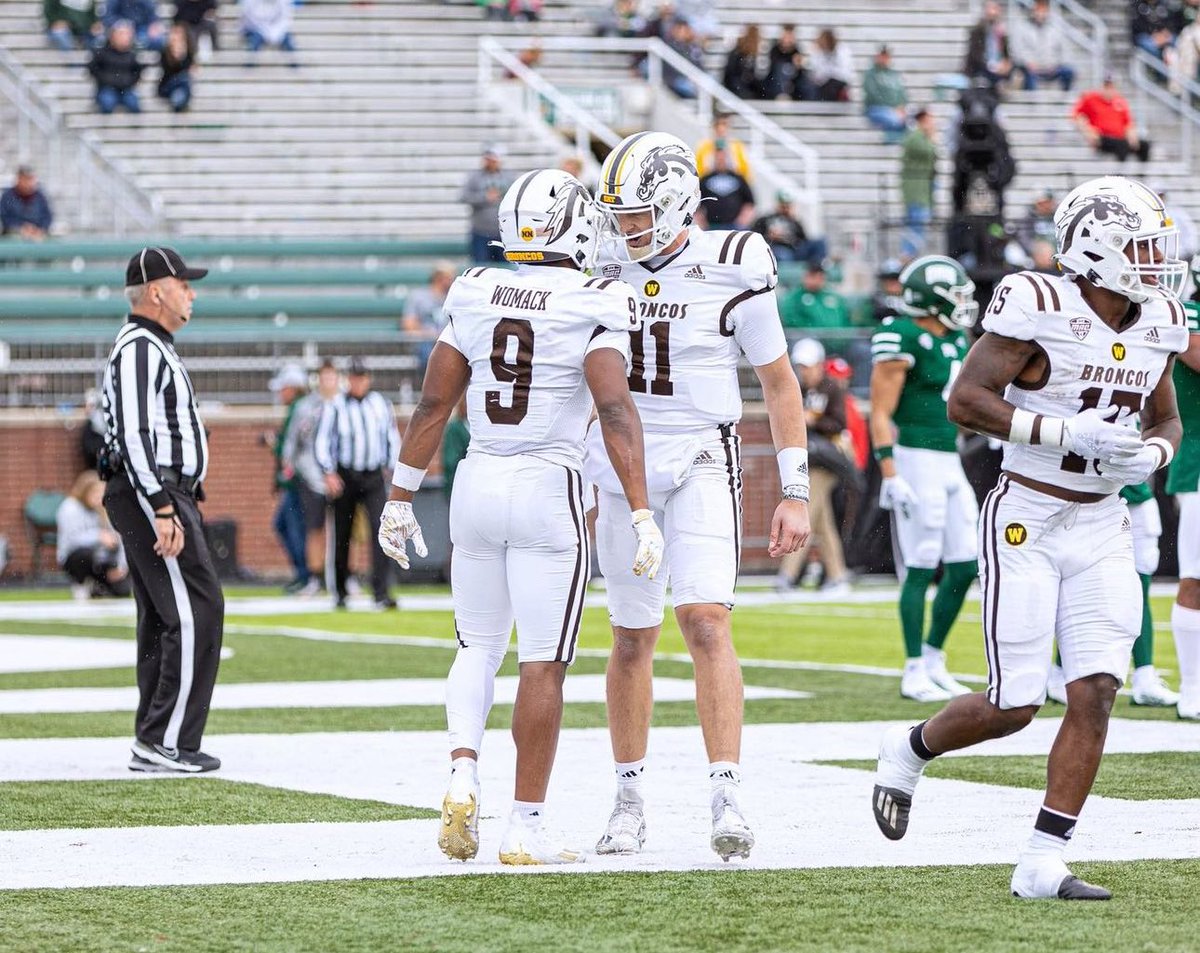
650	544
1092	435
1135	469
895	493
397	526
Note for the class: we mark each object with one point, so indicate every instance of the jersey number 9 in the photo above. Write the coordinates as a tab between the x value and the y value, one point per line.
518	372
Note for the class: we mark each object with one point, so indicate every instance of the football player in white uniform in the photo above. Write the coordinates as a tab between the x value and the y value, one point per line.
532	349
1067	366
705	299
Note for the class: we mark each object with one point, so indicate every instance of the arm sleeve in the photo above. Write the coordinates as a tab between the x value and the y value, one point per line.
325	444
1013	312
137	400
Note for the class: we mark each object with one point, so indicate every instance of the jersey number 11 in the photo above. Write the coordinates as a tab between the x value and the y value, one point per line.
661	386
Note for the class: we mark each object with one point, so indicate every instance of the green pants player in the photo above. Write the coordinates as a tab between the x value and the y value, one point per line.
916	356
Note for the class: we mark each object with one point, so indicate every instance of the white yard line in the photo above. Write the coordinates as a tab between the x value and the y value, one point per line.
804	815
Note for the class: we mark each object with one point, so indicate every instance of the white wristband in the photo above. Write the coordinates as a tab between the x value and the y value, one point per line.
793	467
1028	427
1168	452
407	478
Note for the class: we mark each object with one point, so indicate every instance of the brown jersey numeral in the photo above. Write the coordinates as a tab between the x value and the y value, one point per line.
519	373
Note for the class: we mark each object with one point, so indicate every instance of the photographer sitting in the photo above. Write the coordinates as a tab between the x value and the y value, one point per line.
89	551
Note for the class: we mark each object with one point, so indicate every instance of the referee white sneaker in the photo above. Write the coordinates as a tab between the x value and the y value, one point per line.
935	668
458	835
524	846
626	830
731	835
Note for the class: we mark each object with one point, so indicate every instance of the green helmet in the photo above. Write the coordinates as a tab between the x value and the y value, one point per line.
938	287
1194	267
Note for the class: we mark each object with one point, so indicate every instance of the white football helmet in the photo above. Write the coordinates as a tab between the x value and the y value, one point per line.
1116	233
648	172
548	215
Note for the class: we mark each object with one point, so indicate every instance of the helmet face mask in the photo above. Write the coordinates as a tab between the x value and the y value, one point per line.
1115	233
549	216
649	172
938	287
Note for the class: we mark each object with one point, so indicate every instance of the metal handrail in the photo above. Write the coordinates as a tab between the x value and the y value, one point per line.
1093	41
709	91
1177	93
71	156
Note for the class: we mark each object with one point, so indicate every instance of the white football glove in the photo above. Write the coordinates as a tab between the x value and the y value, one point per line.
895	493
650	544
1091	435
397	526
1135	469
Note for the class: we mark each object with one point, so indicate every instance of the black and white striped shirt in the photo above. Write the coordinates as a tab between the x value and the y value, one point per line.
357	434
150	410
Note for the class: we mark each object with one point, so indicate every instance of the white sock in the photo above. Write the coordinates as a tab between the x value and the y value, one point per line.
1185	623
629	780
528	813
470	687
464	775
1051	833
1143	673
724	773
930	654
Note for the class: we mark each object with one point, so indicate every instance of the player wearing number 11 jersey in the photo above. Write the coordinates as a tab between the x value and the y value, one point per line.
1068	367
705	298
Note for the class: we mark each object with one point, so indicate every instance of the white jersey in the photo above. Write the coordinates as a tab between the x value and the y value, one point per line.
700	306
525	335
1088	364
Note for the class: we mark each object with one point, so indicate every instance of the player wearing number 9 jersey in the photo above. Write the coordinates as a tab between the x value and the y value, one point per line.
704	300
532	349
1066	369
916	357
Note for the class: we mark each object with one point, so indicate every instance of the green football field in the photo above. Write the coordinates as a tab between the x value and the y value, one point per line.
317	834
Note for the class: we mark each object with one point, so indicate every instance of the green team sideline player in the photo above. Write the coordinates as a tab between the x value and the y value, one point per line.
1183	480
916	356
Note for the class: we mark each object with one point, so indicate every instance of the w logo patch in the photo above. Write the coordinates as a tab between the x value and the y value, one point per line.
1015	534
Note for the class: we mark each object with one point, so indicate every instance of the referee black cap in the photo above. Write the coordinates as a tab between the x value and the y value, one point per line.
152	263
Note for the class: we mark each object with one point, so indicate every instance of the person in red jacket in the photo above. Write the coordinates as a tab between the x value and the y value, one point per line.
1104	118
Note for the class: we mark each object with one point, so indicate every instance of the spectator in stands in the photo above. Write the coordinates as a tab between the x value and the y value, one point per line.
200	19
786	235
72	23
148	30
175	83
621	19
722	141
1038	223
24	209
528	11
741	67
884	97
1154	27
987	47
701	17
1038	45
830	68
825	417
918	166
1189	237
89	551
116	70
889	292
787	71
682	39
482	193
727	201
268	23
1041	257
1104	118
1187	49
423	317
291	384
813	305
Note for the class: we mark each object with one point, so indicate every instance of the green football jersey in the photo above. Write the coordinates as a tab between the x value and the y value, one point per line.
1184	475
933	363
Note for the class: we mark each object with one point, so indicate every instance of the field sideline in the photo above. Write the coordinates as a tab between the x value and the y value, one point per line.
317	834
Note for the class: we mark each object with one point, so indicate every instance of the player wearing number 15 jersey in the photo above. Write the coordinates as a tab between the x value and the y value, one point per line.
1067	368
705	298
532	349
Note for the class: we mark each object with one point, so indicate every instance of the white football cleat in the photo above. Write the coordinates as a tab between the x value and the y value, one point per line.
526	846
916	684
1056	685
458	836
626	830
1047	878
935	668
896	776
1149	689
731	835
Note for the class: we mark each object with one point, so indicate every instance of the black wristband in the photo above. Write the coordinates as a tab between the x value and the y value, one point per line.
165	516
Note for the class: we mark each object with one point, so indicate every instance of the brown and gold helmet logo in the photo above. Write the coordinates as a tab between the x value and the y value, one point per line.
1118	351
1015	534
526	234
652	288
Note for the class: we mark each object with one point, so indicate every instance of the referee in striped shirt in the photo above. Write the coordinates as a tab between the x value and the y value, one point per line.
357	441
154	458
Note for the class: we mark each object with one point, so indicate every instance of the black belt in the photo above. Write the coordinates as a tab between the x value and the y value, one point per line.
189	484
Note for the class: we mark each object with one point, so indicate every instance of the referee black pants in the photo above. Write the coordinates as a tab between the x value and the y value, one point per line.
368	488
180	618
